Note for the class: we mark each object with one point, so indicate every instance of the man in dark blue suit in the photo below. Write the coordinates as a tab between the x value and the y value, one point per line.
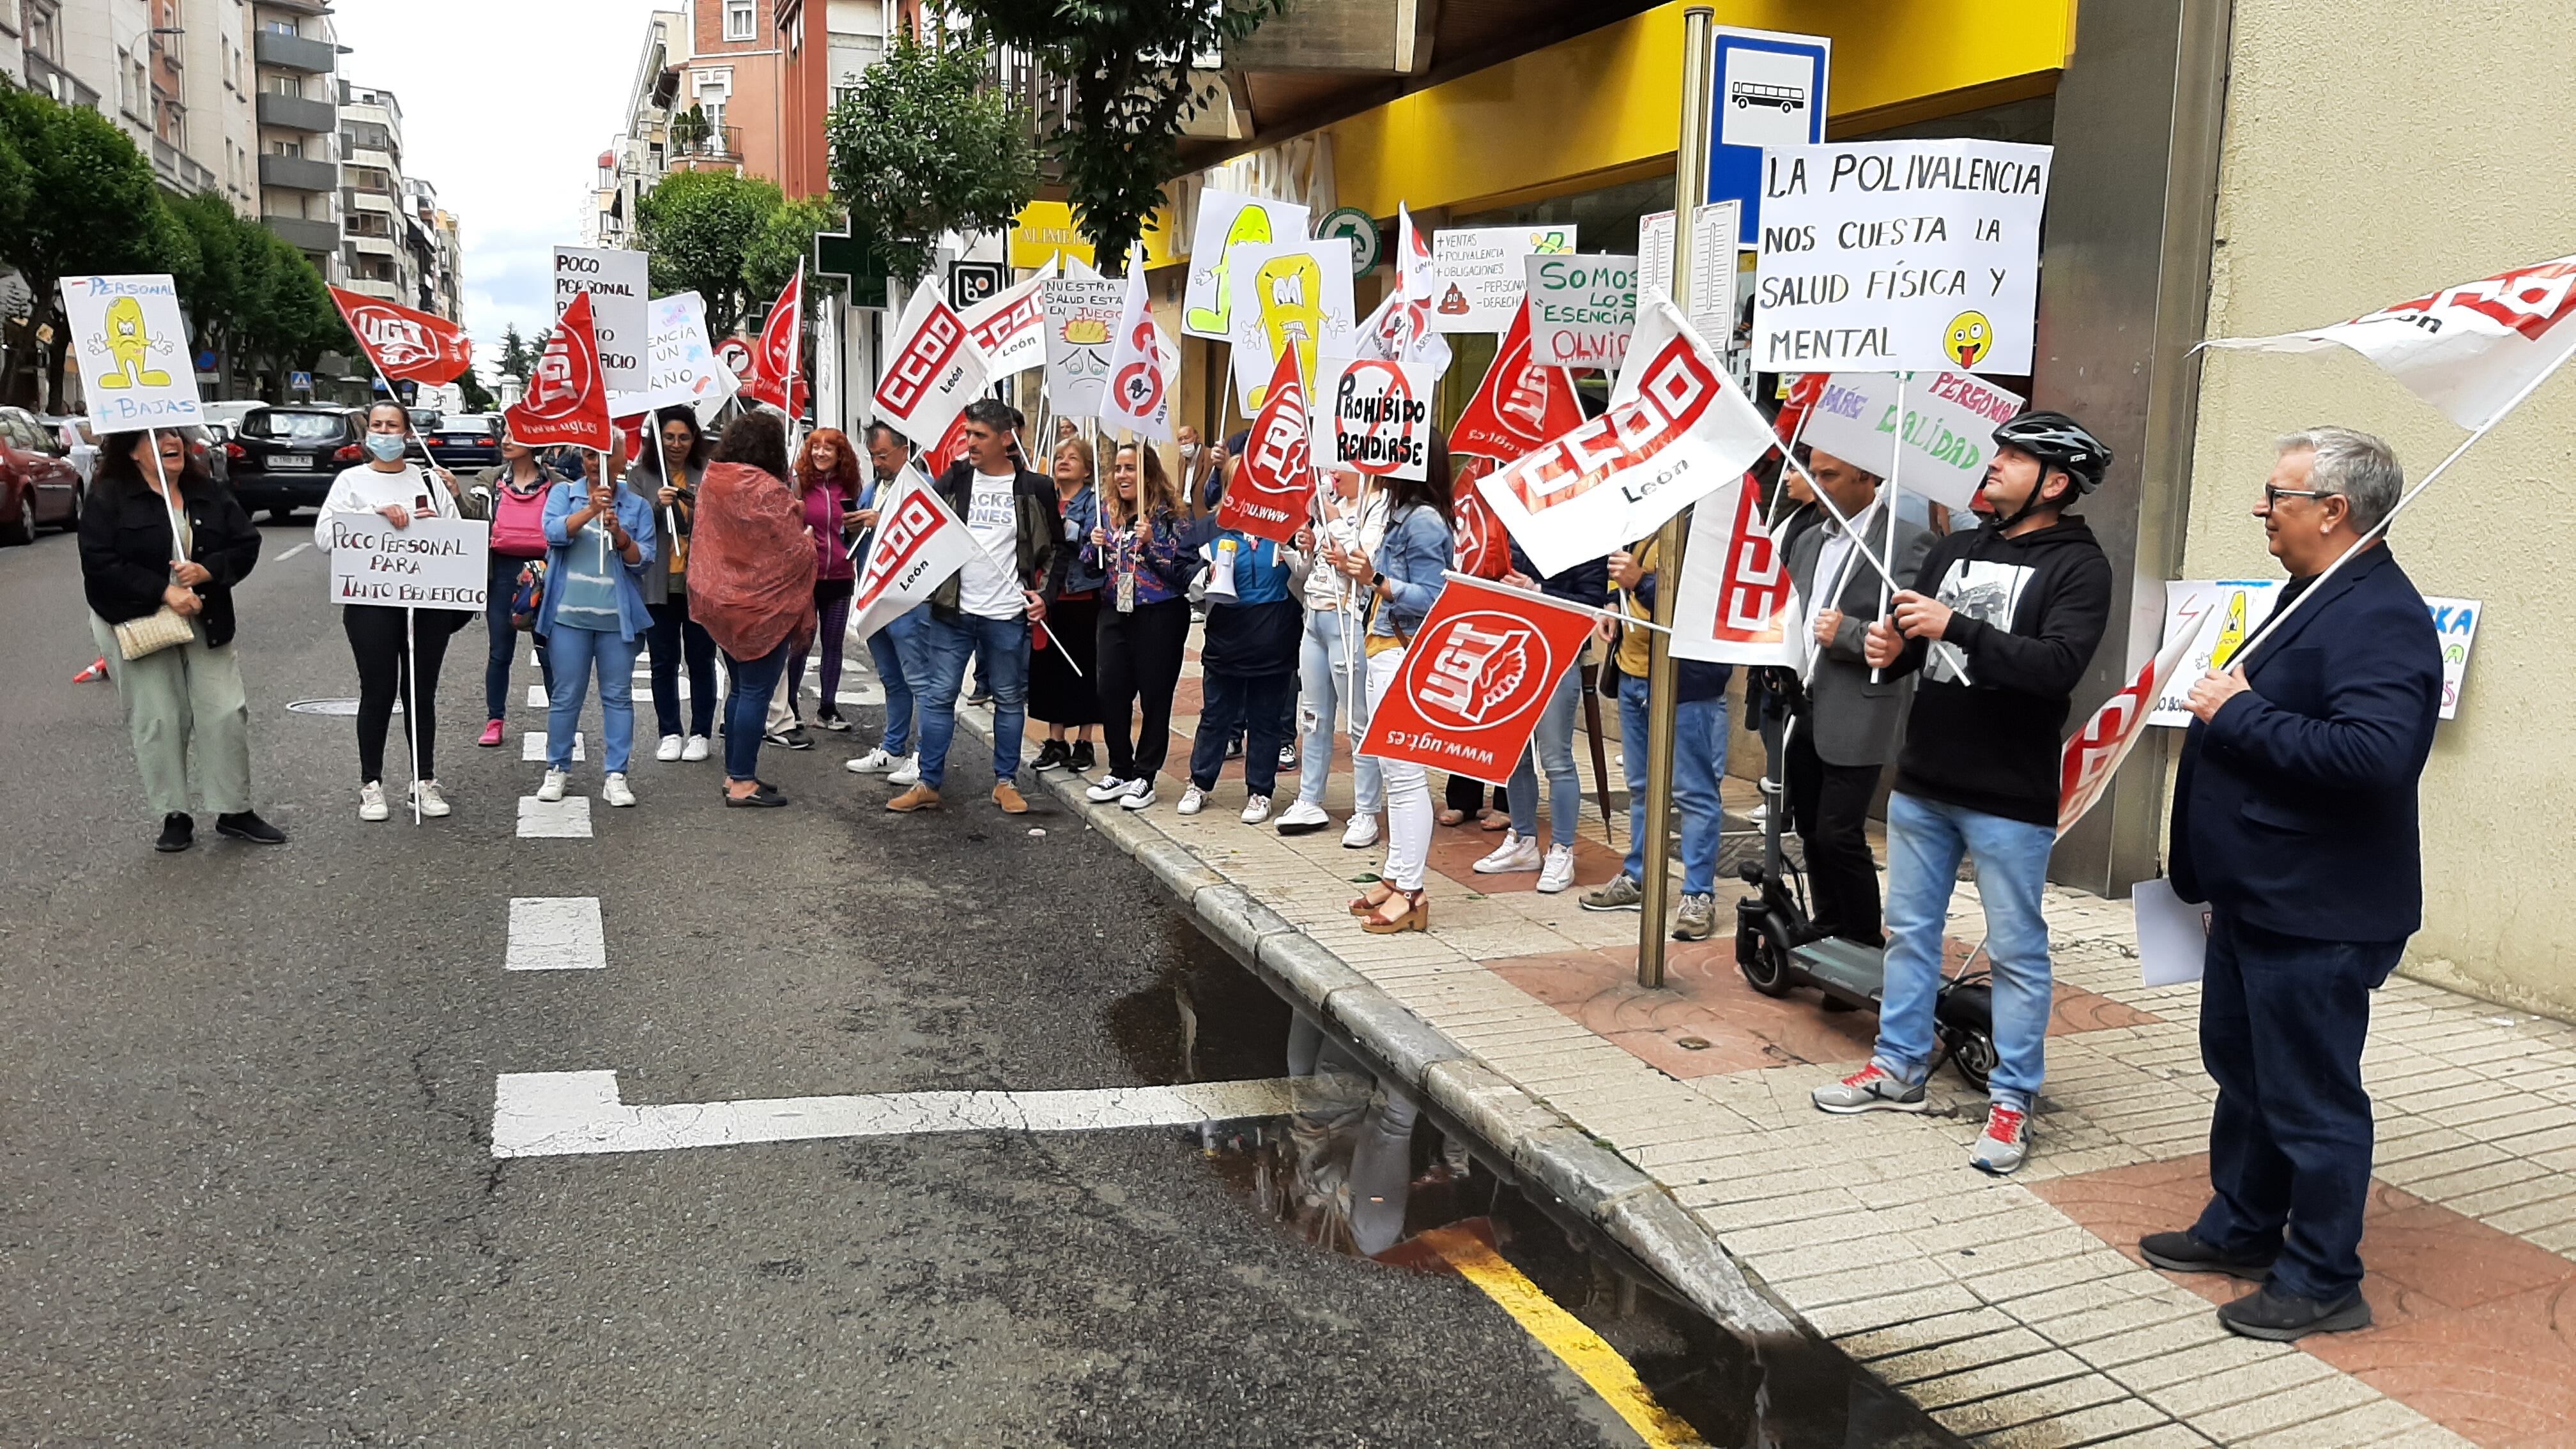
2294	819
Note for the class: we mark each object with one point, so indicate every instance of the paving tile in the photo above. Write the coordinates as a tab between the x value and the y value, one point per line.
1922	1333
2130	1422
1862	1314
2367	1423
2284	1408
1991	1380
2048	1401
2273	1377
1954	1356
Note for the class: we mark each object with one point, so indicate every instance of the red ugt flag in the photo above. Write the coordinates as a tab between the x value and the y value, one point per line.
414	346
1273	492
1520	404
567	401
777	361
1475	679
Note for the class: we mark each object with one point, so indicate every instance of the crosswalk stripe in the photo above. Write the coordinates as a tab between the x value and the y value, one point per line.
565	819
532	747
556	933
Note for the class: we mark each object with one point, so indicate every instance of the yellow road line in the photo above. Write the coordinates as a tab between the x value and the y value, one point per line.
1564	1335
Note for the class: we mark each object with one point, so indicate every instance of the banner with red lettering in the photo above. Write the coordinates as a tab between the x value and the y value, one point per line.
1520	404
934	373
1009	327
403	343
567	399
2089	760
1475	680
1735	604
919	542
1677	430
1272	494
1479	544
778	358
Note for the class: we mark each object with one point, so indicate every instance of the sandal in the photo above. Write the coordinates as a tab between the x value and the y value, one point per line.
1451	817
1494	820
1416	915
1368	904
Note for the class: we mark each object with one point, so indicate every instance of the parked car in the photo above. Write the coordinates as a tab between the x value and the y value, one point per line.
73	433
38	484
232	410
208	445
466	440
286	457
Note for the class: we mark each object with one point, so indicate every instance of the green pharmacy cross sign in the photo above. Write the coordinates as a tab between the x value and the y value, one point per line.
839	254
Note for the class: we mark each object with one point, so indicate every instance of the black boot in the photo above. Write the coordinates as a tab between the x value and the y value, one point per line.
1083	759
246	825
1052	755
178	832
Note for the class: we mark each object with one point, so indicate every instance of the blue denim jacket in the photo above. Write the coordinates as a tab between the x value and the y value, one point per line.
1418	549
635	512
1082	573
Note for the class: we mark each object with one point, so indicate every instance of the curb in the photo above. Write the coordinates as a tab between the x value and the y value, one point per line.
1541	1145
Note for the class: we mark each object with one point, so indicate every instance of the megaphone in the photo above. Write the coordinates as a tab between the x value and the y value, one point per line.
1220	584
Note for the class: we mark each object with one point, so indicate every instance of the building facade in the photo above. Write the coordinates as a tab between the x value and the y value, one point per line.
295	62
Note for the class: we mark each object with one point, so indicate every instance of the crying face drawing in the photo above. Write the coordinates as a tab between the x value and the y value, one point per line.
128	346
1291	292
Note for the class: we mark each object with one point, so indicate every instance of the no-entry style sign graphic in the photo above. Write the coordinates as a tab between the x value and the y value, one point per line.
1469	693
1376	415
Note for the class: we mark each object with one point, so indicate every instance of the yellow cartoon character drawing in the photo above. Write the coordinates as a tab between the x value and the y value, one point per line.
1551	244
1291	289
2231	635
129	349
1251	228
1971	337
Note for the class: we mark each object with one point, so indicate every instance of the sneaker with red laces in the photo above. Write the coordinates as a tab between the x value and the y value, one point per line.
2004	1143
491	735
1871	1089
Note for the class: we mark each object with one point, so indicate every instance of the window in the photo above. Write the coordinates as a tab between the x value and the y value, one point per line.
283	85
739	19
280	27
44	30
286	148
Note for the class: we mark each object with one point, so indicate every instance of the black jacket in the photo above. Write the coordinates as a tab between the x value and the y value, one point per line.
1984	731
1033	498
2295	807
125	550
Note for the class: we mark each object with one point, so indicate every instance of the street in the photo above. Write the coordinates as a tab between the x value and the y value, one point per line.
247	1188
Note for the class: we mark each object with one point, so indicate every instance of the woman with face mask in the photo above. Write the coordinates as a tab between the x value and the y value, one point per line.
600	538
397	657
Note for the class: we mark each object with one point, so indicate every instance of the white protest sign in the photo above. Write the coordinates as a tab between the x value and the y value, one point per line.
1582	309
2223	613
1291	294
436	563
1476	275
131	346
1890	256
1229	219
1373	415
620	313
682	369
1009	327
2173	935
1081	319
1712	309
1950	420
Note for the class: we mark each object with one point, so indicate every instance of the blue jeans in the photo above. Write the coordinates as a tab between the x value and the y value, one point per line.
1552	748
1252	705
505	639
1925	841
576	651
1699	762
2282	1020
1320	657
1004	644
750	683
675	635
896	651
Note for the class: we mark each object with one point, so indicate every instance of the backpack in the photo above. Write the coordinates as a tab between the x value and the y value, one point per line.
528	595
519	522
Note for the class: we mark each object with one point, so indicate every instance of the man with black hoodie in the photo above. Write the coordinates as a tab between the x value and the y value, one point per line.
2002	623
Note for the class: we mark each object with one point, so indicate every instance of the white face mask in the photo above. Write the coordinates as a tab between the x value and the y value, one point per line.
385	447
1189	452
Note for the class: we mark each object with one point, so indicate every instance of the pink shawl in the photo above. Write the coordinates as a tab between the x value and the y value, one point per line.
751	565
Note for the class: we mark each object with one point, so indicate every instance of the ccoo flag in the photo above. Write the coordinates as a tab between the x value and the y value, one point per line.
918	543
1475	680
1520	404
935	371
414	346
2089	760
1736	604
567	399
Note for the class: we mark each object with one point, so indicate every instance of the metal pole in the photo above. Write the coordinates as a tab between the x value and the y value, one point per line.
1663	702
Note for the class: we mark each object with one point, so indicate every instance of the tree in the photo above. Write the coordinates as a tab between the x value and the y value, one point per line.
516	356
919	147
1119	140
478	398
697	227
786	238
689	128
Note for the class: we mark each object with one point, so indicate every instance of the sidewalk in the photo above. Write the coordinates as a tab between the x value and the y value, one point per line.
2013	1309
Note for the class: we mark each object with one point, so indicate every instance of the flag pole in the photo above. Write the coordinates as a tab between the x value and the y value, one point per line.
1895	489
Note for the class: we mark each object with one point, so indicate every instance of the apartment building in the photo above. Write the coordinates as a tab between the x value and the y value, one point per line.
206	125
637	159
295	60
378	227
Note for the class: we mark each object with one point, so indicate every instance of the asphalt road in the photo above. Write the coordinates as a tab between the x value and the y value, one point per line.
246	1188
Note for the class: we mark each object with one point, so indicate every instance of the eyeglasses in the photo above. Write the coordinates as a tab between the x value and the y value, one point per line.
2272	496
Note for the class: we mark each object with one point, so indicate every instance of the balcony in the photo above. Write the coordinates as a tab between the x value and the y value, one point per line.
47	78
370	287
719	149
295	113
296	173
294	52
181	172
304	234
373	246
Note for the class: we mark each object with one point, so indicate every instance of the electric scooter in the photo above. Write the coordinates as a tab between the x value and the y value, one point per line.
1779	949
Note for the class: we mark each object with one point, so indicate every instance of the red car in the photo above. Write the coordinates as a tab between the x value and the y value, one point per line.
38	484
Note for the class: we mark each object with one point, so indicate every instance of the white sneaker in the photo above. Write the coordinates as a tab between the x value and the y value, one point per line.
1193	800
1514	854
1301	818
1558	873
433	801
1140	796
874	762
614	790
1109	788
371	801
1256	810
669	749
1760	816
695	749
1361	833
552	788
907	773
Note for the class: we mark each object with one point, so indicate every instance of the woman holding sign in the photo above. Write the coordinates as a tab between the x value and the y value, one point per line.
1403	576
669	476
393	647
1144	620
601	543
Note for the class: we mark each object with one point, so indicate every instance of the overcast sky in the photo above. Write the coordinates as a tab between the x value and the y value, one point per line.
506	106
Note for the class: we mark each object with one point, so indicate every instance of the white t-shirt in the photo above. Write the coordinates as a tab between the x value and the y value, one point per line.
989	585
363	490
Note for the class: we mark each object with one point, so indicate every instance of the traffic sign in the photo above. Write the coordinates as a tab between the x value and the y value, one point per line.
299	382
1769	91
735	354
1367	242
973	282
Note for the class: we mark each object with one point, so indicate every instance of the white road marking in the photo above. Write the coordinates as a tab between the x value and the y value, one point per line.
537	697
565	819
560	1114
532	747
292	552
556	933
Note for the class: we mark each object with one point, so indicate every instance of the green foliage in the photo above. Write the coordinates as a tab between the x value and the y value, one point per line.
1120	137
698	228
516	356
690	127
478	398
769	263
920	147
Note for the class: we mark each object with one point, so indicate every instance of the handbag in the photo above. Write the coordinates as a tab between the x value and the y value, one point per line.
528	595
153	632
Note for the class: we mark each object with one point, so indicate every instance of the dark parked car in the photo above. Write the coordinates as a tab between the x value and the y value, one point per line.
38	484
286	457
466	440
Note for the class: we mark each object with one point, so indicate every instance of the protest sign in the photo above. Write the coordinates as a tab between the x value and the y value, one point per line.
567	400
1273	492
1677	429
620	309
436	563
2173	934
1009	328
1374	416
1582	310
778	355
1474	680
1229	219
1899	256
1288	295
1948	431
918	543
1519	405
2219	615
682	370
1143	366
1400	328
1735	604
132	349
934	372
1713	275
403	343
1081	315
1476	272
